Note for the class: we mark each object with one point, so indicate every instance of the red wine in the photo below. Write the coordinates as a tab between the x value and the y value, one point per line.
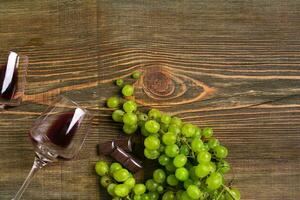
8	84
62	130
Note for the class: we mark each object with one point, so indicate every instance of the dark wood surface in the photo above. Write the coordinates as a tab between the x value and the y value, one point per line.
232	65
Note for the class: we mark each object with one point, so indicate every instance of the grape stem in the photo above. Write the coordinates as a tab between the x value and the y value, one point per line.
229	192
218	197
172	189
187	144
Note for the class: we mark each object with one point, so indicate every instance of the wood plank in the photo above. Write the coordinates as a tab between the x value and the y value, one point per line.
59	37
226	64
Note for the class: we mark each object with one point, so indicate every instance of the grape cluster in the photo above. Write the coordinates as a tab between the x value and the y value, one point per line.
192	161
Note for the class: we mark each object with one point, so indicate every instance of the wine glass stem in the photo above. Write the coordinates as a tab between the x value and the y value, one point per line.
37	165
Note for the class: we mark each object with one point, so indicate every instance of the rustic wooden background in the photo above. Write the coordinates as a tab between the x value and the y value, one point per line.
233	65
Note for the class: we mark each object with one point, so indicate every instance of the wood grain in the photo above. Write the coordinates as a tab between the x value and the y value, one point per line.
232	65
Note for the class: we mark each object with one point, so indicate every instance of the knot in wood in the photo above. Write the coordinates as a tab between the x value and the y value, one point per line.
159	82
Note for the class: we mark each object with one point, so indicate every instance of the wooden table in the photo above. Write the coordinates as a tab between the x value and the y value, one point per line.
232	65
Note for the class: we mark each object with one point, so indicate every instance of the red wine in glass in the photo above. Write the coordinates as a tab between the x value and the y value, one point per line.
58	133
12	78
62	130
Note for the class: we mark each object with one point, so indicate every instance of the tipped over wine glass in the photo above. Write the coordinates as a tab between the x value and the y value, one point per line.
13	70
58	133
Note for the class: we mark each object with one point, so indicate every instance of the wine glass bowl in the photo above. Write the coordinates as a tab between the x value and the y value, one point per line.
61	130
13	71
58	133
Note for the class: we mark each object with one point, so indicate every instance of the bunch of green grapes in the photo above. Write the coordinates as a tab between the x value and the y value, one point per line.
192	161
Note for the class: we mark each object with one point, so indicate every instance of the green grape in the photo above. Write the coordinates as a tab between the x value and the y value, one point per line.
144	131
111	189
152	143
161	148
116	198
119	82
130	182
197	145
184	149
130	118
172	150
202	170
169	138
169	195
185	196
145	197
234	194
105	181
151	154
121	175
113	102
172	180
114	167
151	185
128	90
221	151
205	147
197	182
182	174
180	160
140	124
187	183
129	106
163	160
164	128
159	176
223	166
176	121
101	168
188	130
160	189
212	166
137	197
139	189
165	119
136	75
170	167
214	181
142	117
192	173
212	143
153	195
117	115
152	126
203	157
173	128
197	132
178	194
154	114
129	129
121	190
207	132
194	192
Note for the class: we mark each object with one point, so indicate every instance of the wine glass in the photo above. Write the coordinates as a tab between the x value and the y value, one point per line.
58	133
13	70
